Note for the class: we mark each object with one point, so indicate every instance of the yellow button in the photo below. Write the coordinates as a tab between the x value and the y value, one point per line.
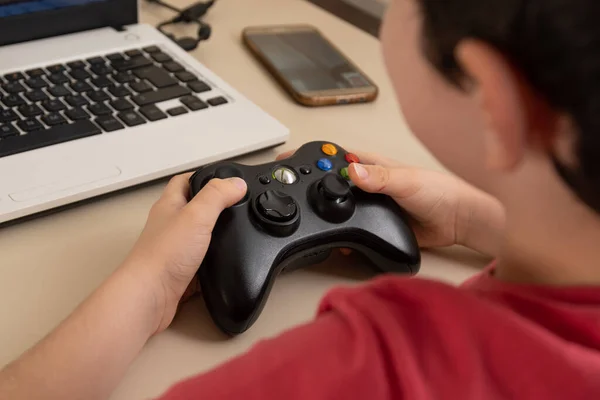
329	149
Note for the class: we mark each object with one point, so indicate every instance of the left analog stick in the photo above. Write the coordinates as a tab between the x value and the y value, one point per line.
227	171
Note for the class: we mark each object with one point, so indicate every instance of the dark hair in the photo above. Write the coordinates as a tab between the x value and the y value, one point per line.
554	43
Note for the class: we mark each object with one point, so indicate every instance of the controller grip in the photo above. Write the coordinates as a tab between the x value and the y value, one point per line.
234	289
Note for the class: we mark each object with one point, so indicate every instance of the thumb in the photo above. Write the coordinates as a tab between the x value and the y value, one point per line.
395	182
216	196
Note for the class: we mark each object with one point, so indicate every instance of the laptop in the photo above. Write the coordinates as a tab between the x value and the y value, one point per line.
93	102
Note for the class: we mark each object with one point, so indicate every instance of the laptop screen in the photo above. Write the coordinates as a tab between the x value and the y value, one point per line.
18	7
24	20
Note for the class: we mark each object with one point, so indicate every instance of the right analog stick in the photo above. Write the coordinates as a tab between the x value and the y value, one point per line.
334	188
332	199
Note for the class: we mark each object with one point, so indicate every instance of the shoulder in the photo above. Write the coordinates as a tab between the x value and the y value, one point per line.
406	306
396	291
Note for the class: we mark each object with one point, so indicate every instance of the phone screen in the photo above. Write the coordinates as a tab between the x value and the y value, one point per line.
307	61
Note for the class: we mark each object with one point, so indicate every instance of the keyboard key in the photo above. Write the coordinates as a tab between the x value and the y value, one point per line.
185	76
119	91
59	91
151	49
35	73
193	103
133	63
55	69
172	92
58	78
81	87
8	116
54	135
217	101
13	100
80	74
53	105
156	76
153	113
30	125
102	69
102	82
36	95
14	77
95	60
133	53
13	87
177	111
7	130
173	66
140	87
54	119
161	57
121	105
98	96
77	114
76	65
115	57
76	100
30	110
36	83
109	124
100	109
124	77
131	118
199	86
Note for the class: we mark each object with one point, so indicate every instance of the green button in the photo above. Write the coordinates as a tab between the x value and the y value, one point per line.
344	173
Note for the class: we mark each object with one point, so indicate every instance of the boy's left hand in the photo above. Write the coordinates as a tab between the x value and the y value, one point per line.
176	238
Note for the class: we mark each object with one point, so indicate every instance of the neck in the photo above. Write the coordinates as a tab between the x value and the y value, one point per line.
561	250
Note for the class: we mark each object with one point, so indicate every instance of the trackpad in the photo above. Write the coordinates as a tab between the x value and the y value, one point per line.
63	181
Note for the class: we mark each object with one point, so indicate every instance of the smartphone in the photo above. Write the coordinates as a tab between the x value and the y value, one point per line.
308	66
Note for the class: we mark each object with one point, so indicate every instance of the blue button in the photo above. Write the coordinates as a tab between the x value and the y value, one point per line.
324	164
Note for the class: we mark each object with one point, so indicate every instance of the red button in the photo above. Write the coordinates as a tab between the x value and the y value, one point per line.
352	158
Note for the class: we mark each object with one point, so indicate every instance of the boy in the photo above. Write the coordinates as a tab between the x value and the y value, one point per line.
512	109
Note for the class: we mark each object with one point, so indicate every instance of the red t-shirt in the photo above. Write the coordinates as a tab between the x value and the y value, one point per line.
398	338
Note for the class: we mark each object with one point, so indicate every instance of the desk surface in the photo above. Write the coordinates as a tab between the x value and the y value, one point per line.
51	264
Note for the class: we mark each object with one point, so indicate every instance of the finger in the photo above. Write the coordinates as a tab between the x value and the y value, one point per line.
394	182
345	252
173	198
376	159
192	290
285	155
365	158
178	186
216	196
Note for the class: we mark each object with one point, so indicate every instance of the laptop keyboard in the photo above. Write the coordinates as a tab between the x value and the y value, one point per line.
63	102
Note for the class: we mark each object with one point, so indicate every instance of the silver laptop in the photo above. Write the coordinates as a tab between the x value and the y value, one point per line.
93	102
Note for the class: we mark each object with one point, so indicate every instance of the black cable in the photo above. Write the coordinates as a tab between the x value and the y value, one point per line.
191	14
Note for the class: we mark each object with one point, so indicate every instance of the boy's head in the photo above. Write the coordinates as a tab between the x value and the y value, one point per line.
505	93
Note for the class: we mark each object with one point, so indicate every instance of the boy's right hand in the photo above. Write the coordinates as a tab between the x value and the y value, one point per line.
445	210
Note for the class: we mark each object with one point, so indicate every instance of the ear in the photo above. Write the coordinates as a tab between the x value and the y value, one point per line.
514	115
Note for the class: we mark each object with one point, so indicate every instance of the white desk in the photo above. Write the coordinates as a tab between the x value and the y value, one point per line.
51	264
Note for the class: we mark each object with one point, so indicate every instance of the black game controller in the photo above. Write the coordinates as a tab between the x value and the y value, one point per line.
294	213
